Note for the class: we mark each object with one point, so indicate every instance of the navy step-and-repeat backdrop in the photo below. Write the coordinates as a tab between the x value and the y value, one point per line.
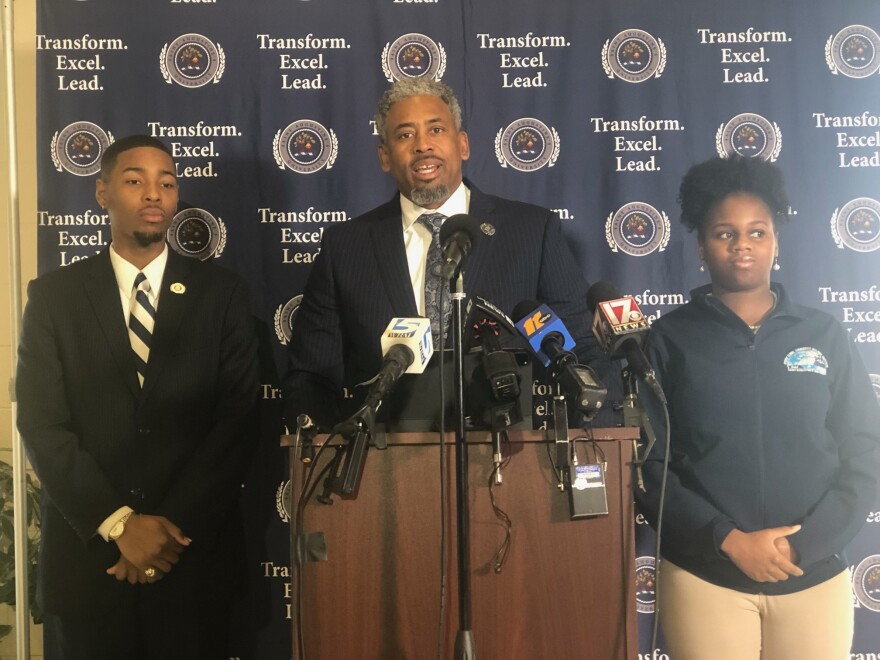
593	109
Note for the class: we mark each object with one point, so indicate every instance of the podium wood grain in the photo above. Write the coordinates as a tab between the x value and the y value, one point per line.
567	589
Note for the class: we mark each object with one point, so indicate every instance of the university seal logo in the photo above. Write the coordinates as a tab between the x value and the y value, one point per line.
78	148
634	56
857	225
282	501
413	56
854	52
527	145
646	577
196	233
305	146
284	316
866	582
749	135
192	60
637	229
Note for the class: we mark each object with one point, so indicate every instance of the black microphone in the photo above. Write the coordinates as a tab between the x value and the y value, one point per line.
458	236
396	360
621	328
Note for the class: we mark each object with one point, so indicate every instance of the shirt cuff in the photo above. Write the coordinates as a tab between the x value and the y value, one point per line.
112	519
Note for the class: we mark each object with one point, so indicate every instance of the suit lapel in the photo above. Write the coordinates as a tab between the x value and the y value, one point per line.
172	308
390	254
102	291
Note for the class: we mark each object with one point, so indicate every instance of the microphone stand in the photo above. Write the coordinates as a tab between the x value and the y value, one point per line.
464	639
634	416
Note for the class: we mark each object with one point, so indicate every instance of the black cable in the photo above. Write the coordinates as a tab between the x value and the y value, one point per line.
660	507
504	548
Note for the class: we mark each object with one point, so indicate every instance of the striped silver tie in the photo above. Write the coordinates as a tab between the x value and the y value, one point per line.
140	324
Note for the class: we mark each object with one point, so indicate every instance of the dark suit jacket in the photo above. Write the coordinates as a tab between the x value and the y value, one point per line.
360	281
177	448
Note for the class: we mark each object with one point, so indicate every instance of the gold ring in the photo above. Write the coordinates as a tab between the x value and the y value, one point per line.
150	572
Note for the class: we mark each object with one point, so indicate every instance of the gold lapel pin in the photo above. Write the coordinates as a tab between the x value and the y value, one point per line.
177	287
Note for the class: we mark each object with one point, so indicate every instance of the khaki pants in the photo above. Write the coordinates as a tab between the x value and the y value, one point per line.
701	620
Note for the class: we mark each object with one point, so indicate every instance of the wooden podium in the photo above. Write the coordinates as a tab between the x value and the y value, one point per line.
567	589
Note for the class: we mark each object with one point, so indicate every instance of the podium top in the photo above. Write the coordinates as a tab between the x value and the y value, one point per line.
611	434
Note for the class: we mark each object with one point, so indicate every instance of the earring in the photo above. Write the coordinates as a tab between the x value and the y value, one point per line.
702	267
776	265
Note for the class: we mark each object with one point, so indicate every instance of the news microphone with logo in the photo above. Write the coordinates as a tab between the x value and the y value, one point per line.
551	343
458	236
620	327
415	334
547	335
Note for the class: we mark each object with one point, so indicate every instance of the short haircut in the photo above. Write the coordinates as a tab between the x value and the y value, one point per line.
708	184
111	154
408	87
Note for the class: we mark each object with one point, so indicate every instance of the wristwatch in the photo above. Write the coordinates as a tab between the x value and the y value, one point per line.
118	528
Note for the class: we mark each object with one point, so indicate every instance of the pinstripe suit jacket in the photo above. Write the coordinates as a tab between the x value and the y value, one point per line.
177	448
360	281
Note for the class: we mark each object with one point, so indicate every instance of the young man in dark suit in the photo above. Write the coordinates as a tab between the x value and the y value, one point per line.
373	268
136	387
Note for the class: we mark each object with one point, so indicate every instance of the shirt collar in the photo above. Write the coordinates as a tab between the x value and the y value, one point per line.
458	202
784	304
126	272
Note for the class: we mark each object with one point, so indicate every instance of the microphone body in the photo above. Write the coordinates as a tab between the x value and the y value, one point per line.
620	328
547	335
397	359
458	236
551	343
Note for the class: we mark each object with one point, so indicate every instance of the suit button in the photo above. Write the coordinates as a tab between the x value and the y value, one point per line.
144	430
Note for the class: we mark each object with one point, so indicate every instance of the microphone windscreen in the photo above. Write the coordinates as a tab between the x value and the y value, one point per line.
601	291
524	308
463	223
400	354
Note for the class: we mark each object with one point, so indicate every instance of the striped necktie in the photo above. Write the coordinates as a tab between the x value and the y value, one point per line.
434	283
140	324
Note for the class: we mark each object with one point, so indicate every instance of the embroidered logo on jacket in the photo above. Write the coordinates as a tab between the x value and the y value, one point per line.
807	358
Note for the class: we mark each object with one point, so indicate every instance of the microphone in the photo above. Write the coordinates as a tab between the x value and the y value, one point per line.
406	347
458	235
620	327
547	335
415	334
395	363
551	343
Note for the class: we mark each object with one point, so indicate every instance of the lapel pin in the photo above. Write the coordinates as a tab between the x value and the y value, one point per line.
177	287
487	229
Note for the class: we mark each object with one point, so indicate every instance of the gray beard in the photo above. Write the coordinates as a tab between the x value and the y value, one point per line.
426	197
146	240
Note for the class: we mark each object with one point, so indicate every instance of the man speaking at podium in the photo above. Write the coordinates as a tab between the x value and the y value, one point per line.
378	266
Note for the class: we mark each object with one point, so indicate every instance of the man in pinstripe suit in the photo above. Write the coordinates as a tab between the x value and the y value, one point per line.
136	386
372	268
